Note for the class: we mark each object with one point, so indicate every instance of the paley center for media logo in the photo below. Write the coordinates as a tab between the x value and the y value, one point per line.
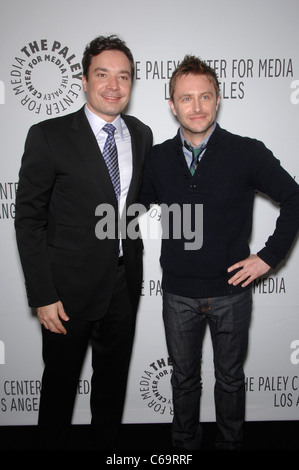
155	386
46	77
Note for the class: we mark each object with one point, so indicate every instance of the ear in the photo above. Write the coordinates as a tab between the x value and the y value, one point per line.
172	107
217	103
84	82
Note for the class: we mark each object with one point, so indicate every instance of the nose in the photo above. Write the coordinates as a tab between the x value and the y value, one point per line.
197	105
112	83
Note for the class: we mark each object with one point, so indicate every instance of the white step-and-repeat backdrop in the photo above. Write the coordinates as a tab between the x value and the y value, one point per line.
254	47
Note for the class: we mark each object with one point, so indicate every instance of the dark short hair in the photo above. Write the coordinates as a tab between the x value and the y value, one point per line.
195	65
102	43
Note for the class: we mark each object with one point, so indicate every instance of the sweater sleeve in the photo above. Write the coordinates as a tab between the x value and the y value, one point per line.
272	180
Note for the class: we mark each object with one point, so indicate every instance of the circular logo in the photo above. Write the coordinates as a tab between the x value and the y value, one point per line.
46	77
155	387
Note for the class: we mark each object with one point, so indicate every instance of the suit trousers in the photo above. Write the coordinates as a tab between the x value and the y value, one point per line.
111	340
185	322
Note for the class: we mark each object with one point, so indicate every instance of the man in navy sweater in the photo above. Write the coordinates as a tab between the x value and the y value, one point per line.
210	282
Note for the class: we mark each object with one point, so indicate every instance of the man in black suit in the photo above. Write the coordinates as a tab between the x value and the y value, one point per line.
85	287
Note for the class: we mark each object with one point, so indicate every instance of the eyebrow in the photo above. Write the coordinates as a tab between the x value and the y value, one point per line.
104	69
201	94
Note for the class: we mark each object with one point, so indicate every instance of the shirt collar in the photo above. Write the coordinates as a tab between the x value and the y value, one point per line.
205	141
98	123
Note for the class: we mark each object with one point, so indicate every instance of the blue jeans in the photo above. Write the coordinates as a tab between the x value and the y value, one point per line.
185	322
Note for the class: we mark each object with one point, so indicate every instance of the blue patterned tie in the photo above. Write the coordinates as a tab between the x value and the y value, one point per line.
110	157
195	154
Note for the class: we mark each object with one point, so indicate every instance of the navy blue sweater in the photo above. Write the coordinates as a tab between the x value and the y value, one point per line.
230	172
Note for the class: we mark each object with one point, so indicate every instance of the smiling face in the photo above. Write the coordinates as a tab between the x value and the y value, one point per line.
109	83
195	104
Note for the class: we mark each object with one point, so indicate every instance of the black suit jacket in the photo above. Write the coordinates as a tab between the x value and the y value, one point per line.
62	180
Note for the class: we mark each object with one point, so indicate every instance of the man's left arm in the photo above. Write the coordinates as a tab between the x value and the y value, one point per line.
273	180
249	269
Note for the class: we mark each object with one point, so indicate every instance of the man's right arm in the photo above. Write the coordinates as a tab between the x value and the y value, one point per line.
36	180
50	317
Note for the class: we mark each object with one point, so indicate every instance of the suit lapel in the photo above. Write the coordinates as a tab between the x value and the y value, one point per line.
86	143
136	144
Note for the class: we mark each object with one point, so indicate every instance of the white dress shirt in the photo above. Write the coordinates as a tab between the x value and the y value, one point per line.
124	150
